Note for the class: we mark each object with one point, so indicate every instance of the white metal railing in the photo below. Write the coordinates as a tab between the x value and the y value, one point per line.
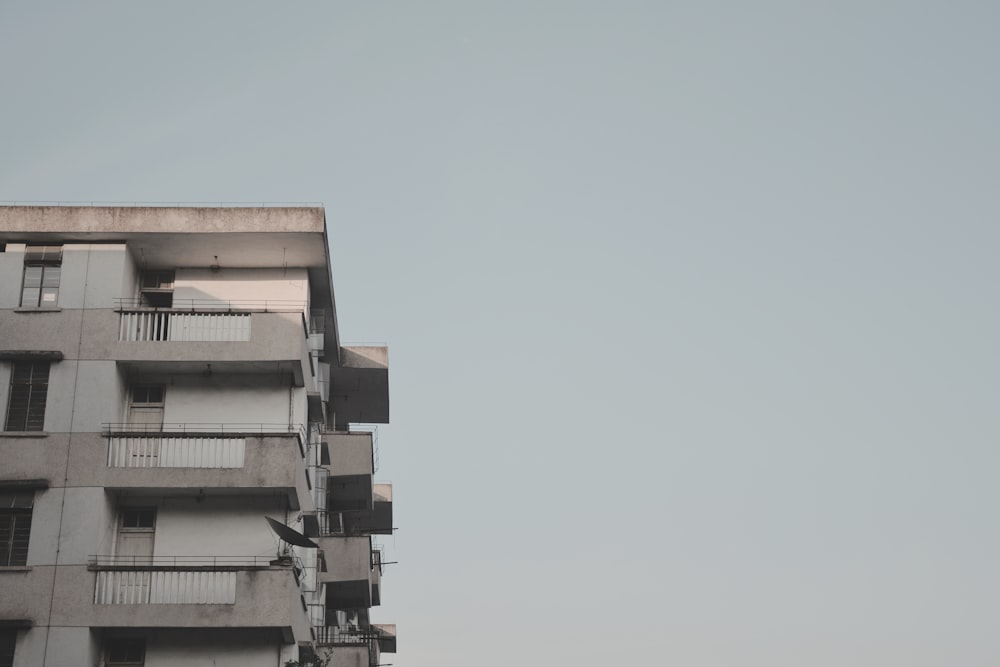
345	635
165	587
205	428
154	451
133	561
146	326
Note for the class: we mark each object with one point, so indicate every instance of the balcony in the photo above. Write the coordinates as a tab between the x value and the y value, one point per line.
359	391
241	592
353	574
234	337
349	645
374	521
351	467
250	459
386	636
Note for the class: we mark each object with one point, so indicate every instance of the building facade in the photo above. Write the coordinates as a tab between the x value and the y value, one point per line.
172	379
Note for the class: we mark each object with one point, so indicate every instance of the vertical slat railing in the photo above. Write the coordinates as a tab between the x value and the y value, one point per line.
165	587
156	326
155	451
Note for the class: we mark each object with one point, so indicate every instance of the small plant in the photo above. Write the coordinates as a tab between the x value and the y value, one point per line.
312	661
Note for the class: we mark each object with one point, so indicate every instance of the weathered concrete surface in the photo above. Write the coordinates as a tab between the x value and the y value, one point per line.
21	599
267	598
125	221
273	465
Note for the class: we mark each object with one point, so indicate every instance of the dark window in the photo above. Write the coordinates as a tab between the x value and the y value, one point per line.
29	385
15	528
156	289
144	518
126	652
144	394
7	640
42	271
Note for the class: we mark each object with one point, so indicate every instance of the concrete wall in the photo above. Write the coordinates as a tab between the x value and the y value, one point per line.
67	220
291	285
347	558
37	457
84	515
11	272
5	370
71	646
228	399
211	654
214	526
267	598
350	453
81	395
93	275
346	656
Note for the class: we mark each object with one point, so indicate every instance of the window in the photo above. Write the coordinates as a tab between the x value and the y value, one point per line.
29	385
126	652
156	289
15	528
7	640
147	394
140	518
42	269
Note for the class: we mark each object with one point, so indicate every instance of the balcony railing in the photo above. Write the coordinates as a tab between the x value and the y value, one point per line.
216	306
165	587
172	579
332	635
102	562
147	327
181	429
171	451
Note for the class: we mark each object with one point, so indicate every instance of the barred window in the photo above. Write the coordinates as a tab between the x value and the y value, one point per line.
15	528
29	386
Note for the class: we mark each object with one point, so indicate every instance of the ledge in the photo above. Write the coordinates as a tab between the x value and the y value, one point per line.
24	434
14	355
23	484
15	568
37	310
17	623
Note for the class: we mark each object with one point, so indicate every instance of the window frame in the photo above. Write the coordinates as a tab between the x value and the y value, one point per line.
48	259
33	393
134	649
14	506
137	519
8	647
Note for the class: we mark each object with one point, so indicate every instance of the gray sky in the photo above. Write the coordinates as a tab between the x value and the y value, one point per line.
692	306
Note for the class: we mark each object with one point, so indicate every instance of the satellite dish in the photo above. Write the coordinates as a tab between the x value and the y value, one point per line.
290	535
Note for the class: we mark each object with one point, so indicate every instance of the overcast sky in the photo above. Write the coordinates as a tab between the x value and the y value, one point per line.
692	306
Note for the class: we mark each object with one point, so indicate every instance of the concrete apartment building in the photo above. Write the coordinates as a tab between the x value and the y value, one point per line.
171	378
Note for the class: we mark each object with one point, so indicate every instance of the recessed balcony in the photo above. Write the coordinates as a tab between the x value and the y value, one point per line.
349	646
359	391
201	458
386	636
234	337
353	572
374	521
242	592
349	484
